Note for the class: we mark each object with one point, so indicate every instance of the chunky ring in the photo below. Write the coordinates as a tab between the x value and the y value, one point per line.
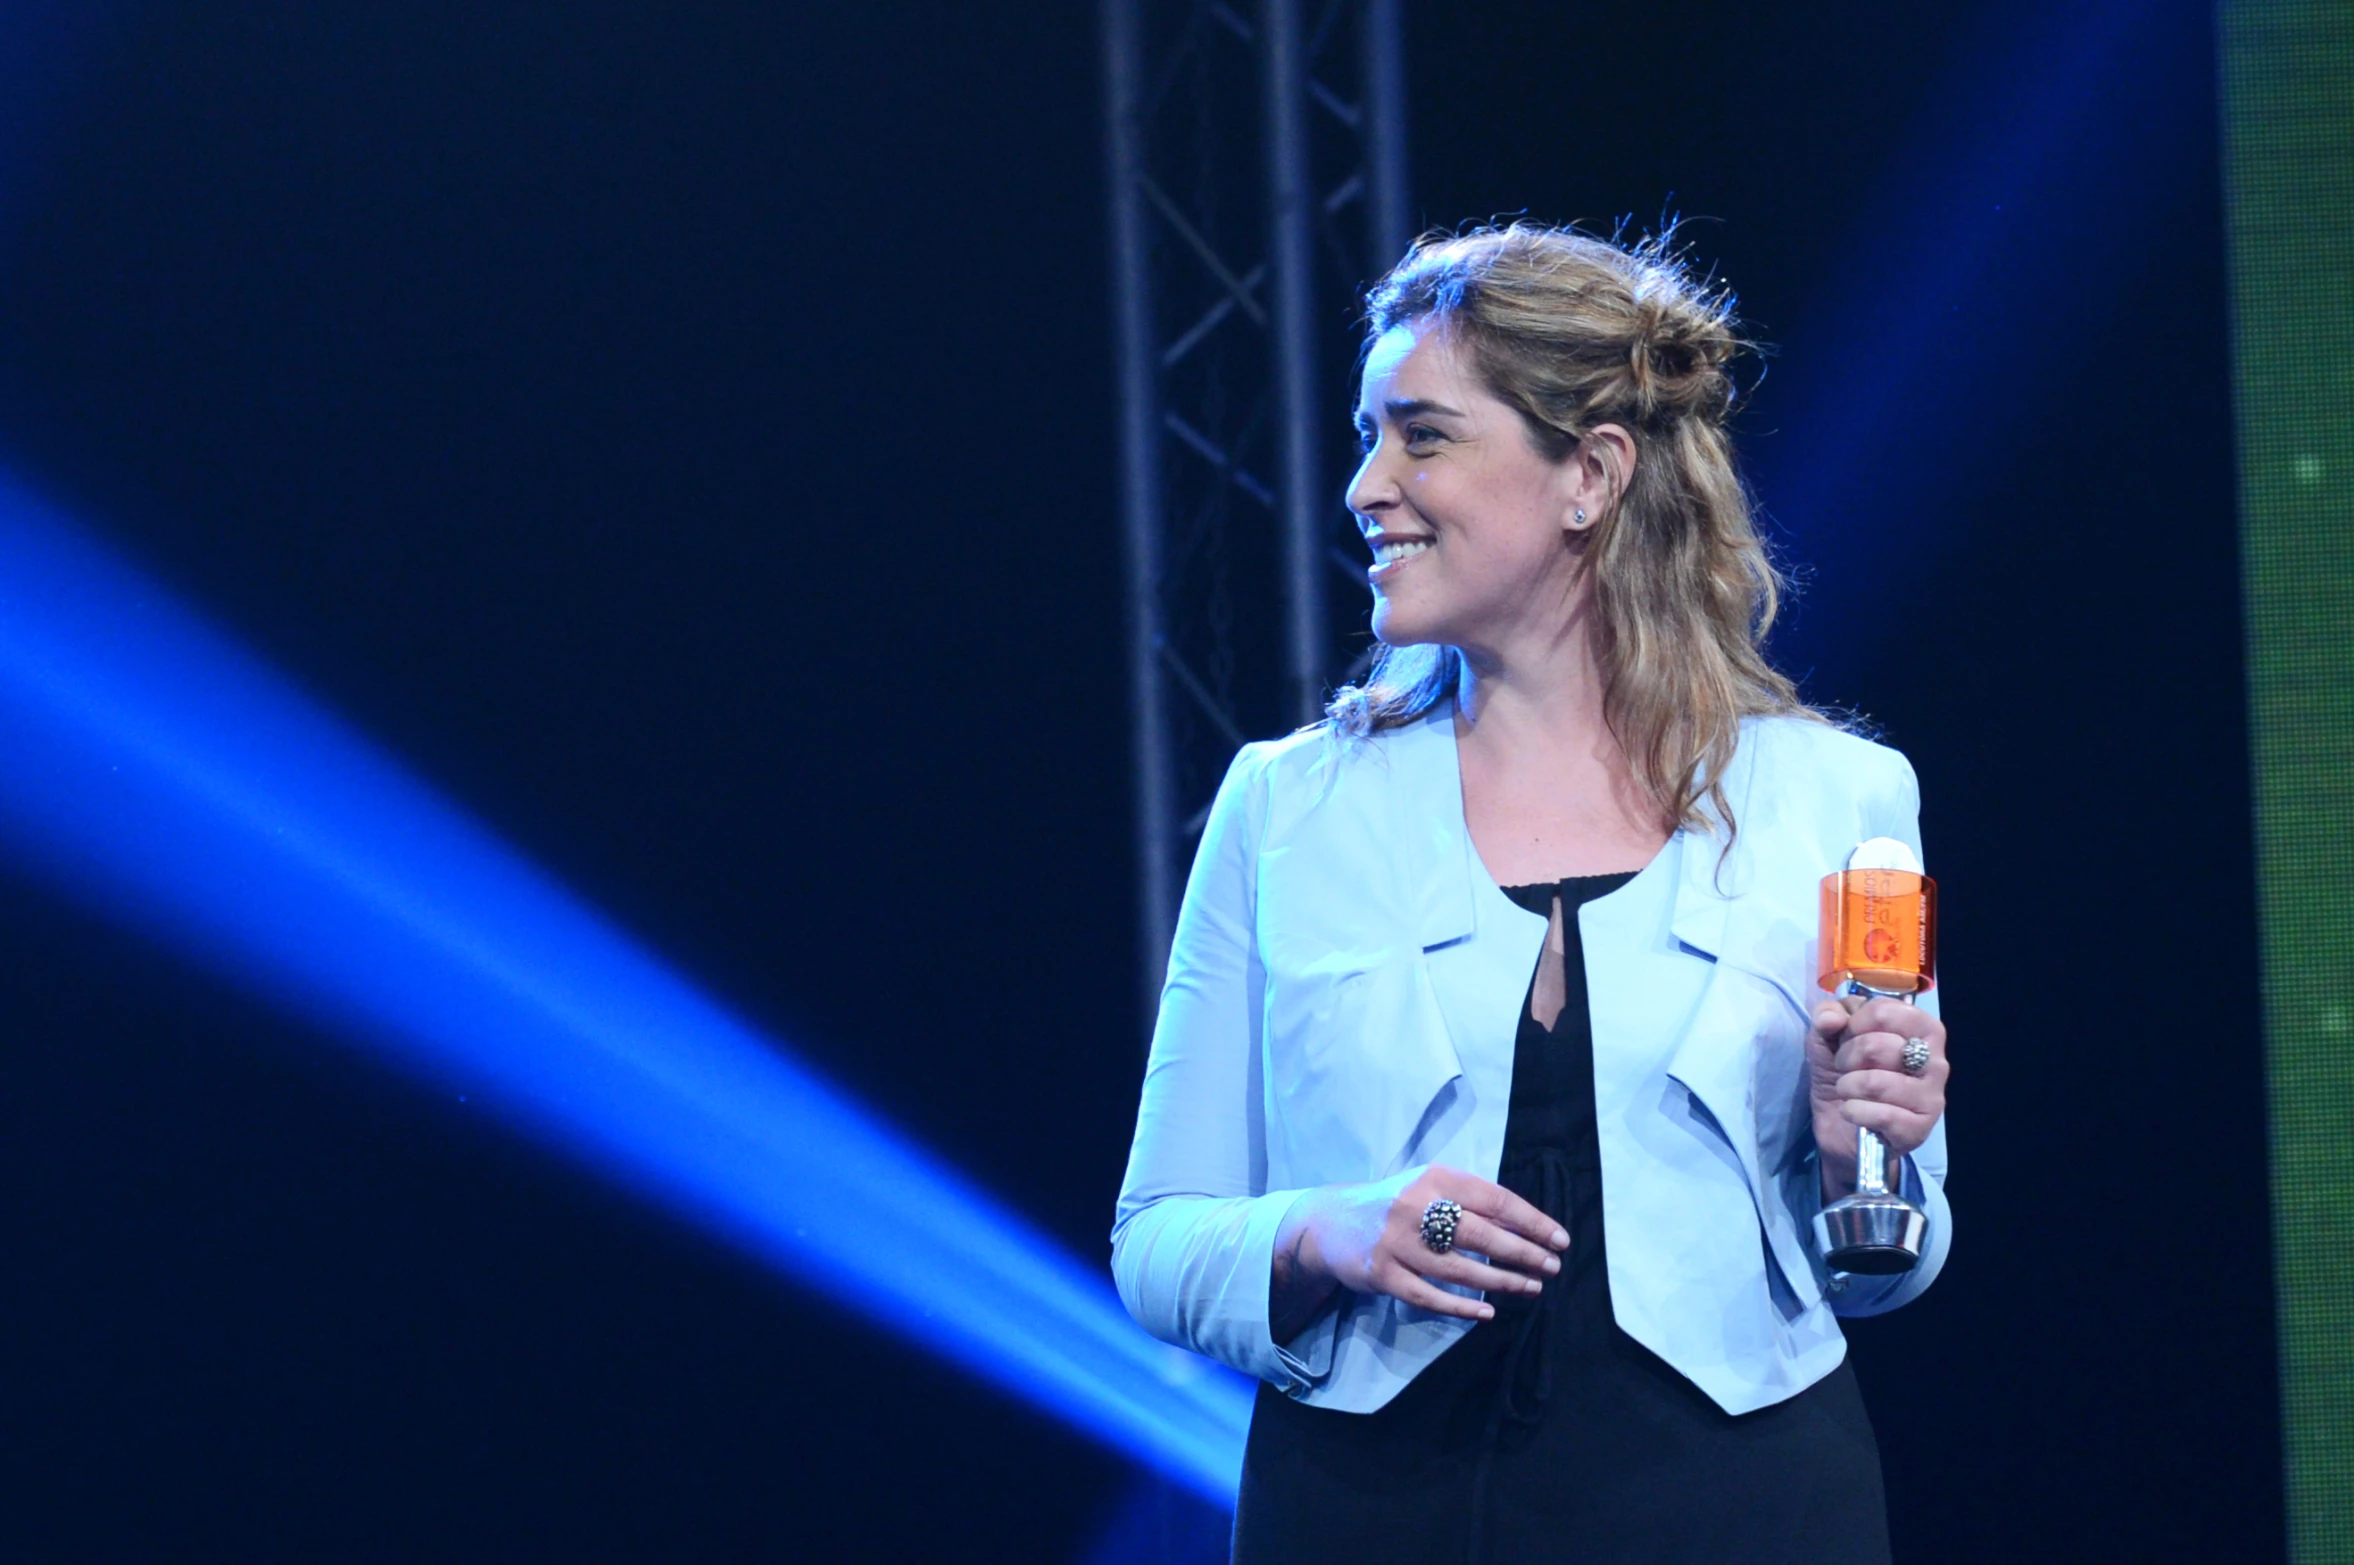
1916	1056
1438	1225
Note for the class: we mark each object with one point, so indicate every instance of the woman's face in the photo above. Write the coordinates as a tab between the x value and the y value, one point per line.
1471	527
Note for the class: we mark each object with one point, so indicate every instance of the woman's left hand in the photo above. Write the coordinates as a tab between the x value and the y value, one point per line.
1855	1066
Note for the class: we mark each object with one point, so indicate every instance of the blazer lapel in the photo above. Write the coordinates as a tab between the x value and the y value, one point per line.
1478	950
1718	1059
1436	873
1712	1060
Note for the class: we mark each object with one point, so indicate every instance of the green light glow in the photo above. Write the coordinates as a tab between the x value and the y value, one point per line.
2288	120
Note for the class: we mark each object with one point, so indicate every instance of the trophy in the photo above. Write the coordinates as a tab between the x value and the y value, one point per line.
1879	940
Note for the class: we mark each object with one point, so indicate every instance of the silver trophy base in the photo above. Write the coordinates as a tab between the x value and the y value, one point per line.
1873	1235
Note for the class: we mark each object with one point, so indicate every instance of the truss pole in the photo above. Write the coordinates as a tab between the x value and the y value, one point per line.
1291	230
1235	240
1390	222
1141	491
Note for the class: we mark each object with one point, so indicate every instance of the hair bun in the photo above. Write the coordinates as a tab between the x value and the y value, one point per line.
1682	349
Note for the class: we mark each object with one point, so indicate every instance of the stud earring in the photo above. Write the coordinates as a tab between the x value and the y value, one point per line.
1578	520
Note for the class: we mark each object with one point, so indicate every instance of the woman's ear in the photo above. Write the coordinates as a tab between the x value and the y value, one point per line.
1604	465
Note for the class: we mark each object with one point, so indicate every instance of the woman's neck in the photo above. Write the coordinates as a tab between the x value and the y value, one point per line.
1543	694
1547	789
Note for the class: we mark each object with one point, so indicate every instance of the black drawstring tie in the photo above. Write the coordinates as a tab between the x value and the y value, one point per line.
1526	1381
1528	1366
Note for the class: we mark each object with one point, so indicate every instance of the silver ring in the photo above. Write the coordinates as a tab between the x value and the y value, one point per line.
1438	1225
1916	1056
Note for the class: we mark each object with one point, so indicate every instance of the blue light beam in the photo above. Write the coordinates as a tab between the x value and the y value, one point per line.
160	775
1963	294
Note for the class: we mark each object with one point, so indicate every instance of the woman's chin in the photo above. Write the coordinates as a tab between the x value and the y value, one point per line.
1395	629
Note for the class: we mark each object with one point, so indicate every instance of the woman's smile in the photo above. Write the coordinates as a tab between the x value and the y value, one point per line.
1391	552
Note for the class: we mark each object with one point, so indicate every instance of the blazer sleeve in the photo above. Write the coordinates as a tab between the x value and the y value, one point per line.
1193	1246
1893	809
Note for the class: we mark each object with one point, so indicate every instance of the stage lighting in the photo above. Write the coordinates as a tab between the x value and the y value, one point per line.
1968	276
169	780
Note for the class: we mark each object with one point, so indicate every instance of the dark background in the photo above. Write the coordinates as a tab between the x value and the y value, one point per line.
683	433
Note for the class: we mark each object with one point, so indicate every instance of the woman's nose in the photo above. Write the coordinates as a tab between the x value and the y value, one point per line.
1371	490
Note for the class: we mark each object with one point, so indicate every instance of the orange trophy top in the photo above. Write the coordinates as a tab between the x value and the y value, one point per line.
1880	924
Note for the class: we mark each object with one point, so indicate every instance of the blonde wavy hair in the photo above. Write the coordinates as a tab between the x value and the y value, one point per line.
1574	331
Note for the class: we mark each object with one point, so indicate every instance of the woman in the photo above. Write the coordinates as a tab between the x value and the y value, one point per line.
1491	1097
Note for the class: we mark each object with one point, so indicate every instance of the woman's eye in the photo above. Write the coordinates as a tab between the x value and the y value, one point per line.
1414	435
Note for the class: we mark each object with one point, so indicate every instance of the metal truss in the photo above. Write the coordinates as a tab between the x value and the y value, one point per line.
1257	167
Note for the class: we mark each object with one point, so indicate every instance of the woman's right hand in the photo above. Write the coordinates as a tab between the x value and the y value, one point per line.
1368	1238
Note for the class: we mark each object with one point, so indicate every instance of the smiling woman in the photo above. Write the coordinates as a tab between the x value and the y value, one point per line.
1486	1119
1569	356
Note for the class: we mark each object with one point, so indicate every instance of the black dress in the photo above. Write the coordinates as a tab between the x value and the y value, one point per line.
1547	1433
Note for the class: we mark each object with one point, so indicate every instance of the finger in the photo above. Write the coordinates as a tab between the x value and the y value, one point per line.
1919	1094
1875	1040
1502	1246
1883	1052
1901	1128
1465	1272
1834	1019
1411	1288
1906	1021
1501	1207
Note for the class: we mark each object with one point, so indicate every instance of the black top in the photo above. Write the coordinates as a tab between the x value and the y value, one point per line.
1547	1433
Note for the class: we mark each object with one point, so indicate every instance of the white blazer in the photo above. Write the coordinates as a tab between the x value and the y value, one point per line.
1343	996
